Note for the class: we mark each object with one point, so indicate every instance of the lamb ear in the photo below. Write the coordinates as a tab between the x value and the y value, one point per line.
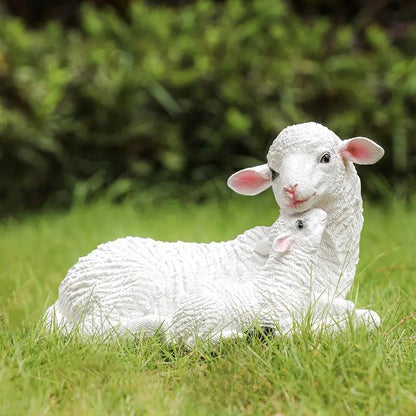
282	243
250	181
361	150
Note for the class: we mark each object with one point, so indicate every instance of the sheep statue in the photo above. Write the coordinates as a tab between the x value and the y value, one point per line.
135	284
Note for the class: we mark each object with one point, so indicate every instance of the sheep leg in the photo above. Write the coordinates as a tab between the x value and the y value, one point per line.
336	314
55	320
217	337
147	325
229	333
370	319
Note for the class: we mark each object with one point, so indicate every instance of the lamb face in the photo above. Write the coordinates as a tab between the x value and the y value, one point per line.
300	232
307	167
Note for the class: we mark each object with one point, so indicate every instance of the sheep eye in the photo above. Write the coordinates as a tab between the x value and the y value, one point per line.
299	224
325	158
274	174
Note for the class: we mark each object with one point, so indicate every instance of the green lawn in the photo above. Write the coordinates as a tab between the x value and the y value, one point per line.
351	373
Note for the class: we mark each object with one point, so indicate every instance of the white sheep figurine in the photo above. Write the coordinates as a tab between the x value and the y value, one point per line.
135	284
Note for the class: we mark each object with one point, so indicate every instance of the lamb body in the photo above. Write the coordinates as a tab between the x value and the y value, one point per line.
278	295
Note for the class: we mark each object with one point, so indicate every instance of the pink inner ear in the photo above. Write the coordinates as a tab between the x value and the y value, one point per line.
281	245
357	151
361	150
248	182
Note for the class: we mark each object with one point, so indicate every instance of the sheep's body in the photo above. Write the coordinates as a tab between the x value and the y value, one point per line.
135	283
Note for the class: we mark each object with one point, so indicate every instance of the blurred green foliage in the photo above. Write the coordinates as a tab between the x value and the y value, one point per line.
190	94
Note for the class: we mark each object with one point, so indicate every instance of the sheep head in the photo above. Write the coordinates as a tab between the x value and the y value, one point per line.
300	231
307	165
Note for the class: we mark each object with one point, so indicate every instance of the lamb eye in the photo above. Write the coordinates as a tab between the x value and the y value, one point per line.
325	158
274	174
299	224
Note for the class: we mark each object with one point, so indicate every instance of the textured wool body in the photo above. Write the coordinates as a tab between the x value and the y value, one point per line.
135	283
278	295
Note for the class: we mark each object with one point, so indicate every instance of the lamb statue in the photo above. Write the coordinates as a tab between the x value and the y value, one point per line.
279	296
136	284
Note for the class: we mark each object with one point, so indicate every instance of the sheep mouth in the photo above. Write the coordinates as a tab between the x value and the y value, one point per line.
294	203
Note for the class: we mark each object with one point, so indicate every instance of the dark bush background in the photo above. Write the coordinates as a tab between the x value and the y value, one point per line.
128	97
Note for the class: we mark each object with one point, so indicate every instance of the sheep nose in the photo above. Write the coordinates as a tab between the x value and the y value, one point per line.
290	189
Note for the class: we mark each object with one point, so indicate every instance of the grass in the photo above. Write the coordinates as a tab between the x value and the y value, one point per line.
352	373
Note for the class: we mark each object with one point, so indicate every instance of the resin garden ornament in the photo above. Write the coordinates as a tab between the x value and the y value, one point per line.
135	284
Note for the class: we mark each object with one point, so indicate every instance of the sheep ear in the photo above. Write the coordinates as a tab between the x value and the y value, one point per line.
250	181
282	244
361	150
